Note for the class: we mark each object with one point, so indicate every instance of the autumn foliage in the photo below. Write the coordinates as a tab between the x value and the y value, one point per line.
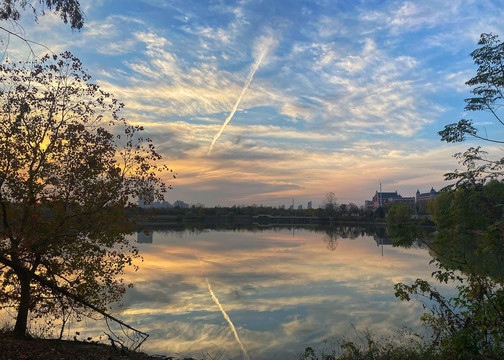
69	166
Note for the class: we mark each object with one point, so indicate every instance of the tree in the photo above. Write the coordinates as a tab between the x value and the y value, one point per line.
353	209
330	204
68	10
399	213
69	166
380	212
467	246
470	228
488	90
468	250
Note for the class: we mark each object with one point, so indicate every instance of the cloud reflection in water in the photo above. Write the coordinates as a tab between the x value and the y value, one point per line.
284	290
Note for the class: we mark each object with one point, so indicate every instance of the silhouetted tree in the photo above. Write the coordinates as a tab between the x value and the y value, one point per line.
488	90
330	204
69	10
69	165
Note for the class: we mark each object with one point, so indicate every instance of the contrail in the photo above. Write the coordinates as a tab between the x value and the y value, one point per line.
247	83
245	355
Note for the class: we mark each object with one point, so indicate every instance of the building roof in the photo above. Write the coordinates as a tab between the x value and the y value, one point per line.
387	195
432	192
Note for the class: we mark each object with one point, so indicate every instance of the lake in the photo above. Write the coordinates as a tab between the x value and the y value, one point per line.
281	289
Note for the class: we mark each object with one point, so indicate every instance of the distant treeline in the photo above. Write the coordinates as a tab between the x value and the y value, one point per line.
246	213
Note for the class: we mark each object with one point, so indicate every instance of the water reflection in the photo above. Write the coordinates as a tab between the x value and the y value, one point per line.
145	236
471	253
283	288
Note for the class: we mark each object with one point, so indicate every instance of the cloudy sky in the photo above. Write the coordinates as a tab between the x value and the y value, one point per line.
329	95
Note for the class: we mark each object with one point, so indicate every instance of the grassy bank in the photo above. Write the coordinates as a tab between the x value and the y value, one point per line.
46	349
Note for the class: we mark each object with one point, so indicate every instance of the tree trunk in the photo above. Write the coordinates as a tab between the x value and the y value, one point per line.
24	305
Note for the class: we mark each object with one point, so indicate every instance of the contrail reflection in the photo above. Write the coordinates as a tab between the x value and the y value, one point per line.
245	355
247	83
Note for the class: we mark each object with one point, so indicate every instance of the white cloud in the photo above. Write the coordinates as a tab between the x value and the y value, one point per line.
214	34
366	90
411	16
457	81
457	22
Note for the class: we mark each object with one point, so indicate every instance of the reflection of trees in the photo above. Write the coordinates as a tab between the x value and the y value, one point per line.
331	239
470	230
469	252
196	228
333	233
410	234
474	318
472	255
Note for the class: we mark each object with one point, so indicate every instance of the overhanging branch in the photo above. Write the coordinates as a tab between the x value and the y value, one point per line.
26	41
53	286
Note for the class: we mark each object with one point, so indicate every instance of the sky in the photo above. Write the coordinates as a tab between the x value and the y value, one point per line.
317	96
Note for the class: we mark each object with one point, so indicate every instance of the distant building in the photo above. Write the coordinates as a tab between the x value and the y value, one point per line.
160	204
282	207
300	207
406	200
369	205
181	204
147	202
385	199
309	205
423	199
426	197
291	207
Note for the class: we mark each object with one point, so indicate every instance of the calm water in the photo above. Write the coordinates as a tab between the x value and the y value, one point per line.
283	289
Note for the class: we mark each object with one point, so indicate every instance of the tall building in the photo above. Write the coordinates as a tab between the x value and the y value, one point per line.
146	200
309	205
